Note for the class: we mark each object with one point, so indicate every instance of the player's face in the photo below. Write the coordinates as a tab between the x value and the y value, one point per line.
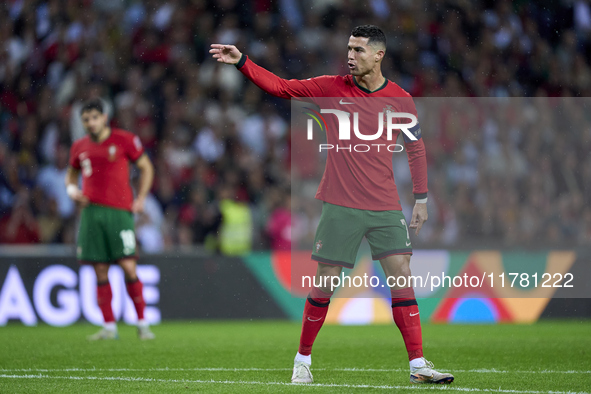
361	57
94	122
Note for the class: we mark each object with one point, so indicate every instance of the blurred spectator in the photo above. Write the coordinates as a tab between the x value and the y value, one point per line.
51	181
278	226
148	234
235	233
19	226
50	222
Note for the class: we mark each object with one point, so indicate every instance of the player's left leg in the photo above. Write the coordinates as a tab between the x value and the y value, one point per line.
135	290
405	311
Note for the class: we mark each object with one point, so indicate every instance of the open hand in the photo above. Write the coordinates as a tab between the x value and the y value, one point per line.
228	54
419	216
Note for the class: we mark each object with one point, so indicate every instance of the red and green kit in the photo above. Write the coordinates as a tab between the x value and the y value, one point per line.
107	231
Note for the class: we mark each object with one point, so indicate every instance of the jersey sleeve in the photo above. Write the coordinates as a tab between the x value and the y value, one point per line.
417	158
284	88
133	147
74	157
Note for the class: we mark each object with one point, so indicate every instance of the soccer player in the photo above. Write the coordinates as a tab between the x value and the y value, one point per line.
358	193
107	233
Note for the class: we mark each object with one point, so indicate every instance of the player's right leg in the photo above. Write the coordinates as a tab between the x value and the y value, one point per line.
93	248
104	296
315	311
336	243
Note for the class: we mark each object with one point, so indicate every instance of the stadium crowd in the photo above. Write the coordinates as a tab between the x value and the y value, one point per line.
513	171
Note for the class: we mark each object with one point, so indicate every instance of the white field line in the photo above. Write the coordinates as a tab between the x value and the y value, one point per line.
300	386
214	369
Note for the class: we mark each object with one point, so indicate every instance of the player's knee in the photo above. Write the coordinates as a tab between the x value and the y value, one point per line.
102	273
403	270
129	269
130	276
397	265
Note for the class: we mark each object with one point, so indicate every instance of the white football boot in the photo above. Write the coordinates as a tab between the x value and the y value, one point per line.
426	374
104	334
144	333
301	373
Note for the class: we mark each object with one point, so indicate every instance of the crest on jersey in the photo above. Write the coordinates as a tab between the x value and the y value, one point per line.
137	142
387	108
318	245
112	152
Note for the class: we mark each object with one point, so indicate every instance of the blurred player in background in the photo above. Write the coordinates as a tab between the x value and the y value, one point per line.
107	233
359	194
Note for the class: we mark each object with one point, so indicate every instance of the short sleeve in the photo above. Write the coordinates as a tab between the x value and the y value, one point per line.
74	158
133	147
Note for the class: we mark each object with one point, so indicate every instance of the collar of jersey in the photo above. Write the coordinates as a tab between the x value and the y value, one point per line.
100	143
367	90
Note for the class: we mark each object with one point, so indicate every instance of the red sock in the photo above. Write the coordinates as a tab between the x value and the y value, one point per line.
103	298
406	316
314	314
135	291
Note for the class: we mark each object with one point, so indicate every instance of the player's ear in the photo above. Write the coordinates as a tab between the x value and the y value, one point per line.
379	55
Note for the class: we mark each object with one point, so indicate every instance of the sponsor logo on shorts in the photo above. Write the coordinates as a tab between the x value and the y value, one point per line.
318	246
414	314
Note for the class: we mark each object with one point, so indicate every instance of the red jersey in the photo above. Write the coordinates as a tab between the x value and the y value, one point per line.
353	178
105	167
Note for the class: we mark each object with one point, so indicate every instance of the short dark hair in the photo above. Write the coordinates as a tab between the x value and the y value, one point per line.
95	103
374	33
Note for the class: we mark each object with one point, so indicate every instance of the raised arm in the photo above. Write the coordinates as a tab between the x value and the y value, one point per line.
266	80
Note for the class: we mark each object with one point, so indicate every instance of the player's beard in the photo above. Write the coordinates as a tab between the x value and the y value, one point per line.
95	135
358	71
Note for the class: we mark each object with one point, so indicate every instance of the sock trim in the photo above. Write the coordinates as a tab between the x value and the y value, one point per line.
404	303
317	304
102	283
129	282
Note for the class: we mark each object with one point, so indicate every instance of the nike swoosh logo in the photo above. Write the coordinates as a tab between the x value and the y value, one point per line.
408	244
344	102
314	320
412	314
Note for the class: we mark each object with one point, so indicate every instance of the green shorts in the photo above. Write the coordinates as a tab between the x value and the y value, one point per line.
106	235
341	230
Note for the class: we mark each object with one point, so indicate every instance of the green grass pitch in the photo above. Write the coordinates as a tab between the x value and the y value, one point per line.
227	357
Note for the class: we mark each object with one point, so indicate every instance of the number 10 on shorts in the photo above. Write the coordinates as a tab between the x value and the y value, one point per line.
128	238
